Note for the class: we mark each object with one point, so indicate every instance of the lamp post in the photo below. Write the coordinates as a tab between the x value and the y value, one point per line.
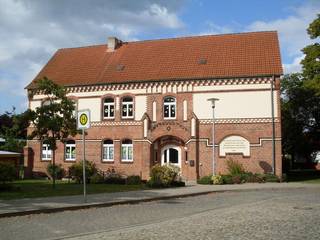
213	105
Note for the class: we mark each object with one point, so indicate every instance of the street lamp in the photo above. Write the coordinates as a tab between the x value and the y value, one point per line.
213	105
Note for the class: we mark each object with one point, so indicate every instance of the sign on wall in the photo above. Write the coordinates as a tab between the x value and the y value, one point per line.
83	119
234	144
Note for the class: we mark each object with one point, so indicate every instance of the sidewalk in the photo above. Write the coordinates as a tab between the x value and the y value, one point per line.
56	204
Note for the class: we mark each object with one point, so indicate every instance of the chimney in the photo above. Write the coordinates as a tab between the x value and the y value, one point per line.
113	43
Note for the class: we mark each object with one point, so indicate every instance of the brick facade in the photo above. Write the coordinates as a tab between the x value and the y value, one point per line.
147	150
236	68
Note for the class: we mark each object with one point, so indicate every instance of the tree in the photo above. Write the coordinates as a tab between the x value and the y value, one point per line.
301	102
311	62
55	119
300	116
13	129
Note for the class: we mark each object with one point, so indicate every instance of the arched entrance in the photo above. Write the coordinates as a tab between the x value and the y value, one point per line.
171	155
168	150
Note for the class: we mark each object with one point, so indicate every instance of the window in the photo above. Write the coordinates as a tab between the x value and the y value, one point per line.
46	102
108	108
169	108
74	112
107	150
127	150
70	154
46	151
127	107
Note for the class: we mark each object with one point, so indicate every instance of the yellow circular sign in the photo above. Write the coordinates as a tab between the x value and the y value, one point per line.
83	119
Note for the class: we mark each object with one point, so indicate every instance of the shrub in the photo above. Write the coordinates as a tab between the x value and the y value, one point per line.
270	178
59	171
115	178
97	178
236	179
234	167
178	184
133	180
227	179
205	180
7	173
163	176
254	178
76	172
217	180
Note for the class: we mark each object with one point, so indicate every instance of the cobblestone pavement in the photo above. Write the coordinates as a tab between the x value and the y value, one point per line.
267	214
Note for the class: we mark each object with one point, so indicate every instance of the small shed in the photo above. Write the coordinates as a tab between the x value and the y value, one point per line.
11	157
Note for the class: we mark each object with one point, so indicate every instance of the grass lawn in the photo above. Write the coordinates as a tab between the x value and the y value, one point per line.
43	188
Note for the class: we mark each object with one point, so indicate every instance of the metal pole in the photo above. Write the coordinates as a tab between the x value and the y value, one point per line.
213	152
84	167
273	128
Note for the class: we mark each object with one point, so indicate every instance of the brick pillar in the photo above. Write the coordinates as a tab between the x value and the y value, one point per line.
146	160
28	161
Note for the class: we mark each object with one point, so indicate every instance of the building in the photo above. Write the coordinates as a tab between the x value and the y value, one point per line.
149	104
12	158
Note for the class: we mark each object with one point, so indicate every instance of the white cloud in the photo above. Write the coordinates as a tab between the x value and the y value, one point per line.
292	29
31	31
293	67
212	28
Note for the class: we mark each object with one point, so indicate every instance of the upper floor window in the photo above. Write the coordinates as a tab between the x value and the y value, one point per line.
169	108
127	150
107	150
108	108
70	150
127	107
46	151
46	102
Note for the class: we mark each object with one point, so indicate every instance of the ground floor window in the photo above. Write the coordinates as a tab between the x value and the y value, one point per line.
70	150
127	150
107	150
46	151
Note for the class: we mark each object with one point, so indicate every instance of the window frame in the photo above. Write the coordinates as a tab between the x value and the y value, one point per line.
70	146
108	146
169	104
127	104
46	158
127	146
108	104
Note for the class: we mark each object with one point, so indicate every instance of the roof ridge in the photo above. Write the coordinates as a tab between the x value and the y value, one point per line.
174	38
202	36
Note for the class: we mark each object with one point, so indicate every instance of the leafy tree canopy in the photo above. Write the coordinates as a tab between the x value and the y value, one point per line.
54	119
311	62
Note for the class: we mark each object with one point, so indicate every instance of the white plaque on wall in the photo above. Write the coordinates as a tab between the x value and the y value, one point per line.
234	144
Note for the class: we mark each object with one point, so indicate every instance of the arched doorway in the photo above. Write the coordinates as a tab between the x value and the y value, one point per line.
171	155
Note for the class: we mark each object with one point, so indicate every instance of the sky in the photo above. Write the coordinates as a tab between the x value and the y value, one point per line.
32	30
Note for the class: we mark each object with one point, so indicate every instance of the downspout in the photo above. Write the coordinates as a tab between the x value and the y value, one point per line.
273	128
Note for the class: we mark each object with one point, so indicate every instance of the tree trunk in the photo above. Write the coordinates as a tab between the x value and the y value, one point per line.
54	168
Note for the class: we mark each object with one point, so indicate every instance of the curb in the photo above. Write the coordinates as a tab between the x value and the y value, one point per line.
124	202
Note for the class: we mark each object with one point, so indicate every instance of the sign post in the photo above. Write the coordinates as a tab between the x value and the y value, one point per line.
83	123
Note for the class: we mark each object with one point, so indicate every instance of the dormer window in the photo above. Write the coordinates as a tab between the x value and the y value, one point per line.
108	108
127	107
169	108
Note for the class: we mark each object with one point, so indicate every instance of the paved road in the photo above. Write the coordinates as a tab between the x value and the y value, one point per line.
268	214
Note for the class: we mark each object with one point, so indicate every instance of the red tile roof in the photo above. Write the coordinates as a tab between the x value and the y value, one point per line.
228	55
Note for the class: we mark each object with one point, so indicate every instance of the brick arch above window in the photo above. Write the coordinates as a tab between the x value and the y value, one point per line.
108	107
127	107
169	107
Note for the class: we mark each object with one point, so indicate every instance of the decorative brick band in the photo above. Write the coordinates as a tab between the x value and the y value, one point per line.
112	123
206	140
238	120
174	85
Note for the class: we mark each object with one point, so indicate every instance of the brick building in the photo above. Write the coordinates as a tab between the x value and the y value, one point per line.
149	104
